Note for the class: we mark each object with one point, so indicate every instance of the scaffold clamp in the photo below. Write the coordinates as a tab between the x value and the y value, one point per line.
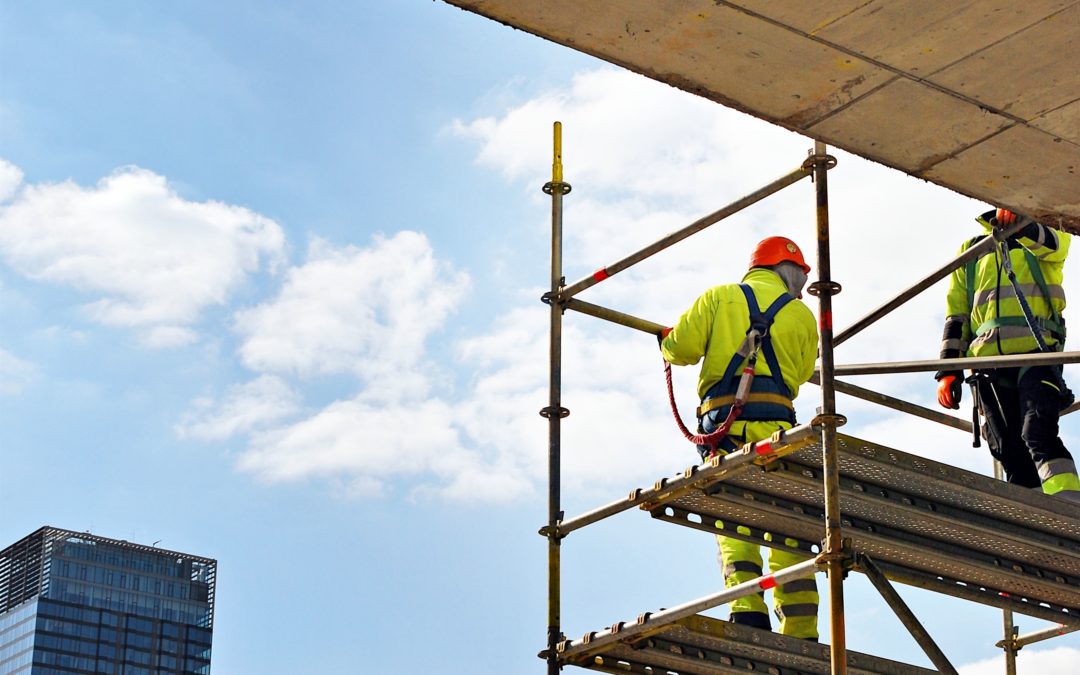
552	297
812	160
833	421
552	411
829	287
562	188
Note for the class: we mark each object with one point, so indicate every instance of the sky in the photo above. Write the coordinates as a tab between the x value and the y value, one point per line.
269	293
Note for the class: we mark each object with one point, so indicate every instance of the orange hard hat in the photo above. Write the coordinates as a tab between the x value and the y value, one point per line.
775	250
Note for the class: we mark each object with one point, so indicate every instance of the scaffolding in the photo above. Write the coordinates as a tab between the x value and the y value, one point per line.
849	504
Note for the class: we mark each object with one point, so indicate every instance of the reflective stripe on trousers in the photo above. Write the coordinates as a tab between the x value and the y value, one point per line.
796	601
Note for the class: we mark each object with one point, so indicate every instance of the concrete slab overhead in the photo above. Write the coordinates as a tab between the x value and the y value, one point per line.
979	96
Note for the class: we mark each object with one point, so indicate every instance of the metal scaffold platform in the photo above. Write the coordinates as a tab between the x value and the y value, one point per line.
922	523
700	645
847	504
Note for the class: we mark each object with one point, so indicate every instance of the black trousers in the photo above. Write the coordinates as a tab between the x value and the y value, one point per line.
1020	413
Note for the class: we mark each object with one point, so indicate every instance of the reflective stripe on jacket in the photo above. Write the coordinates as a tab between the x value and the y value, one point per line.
715	325
986	319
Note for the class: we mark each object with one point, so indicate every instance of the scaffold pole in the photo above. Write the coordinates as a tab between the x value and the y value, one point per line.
824	288
554	412
896	404
625	630
906	616
965	363
1008	627
1038	636
678	235
926	282
614	316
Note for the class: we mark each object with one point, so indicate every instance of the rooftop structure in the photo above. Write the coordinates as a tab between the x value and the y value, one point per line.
74	602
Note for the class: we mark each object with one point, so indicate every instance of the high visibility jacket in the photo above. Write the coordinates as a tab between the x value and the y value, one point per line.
715	325
983	315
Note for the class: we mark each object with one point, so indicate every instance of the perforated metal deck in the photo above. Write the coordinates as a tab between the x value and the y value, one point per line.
924	523
701	645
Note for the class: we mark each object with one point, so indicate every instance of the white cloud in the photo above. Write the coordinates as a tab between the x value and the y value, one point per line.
645	160
630	135
366	313
1056	661
356	310
15	373
153	260
11	178
368	445
249	406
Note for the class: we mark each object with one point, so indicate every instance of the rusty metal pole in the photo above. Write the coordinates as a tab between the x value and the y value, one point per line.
554	412
1007	625
824	288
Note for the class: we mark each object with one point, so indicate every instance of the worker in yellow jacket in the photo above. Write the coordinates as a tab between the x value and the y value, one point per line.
714	328
986	317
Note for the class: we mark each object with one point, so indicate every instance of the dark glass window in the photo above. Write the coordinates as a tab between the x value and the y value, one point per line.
201	635
137	656
140	641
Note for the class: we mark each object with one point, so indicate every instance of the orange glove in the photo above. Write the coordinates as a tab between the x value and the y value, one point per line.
1005	217
949	391
661	335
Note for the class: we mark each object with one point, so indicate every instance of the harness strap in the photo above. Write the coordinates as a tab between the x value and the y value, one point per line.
711	404
1054	324
1055	329
757	337
760	321
1036	273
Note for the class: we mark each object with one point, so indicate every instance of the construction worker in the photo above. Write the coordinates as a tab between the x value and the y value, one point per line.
714	328
986	317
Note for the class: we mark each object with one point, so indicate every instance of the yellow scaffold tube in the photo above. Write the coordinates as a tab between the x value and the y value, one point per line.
556	161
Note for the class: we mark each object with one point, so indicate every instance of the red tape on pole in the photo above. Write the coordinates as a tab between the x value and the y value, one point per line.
600	274
767	582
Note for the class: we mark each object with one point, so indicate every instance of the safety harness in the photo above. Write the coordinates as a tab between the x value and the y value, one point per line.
744	398
1055	325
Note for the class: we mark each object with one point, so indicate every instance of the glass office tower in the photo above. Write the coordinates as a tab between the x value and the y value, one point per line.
73	602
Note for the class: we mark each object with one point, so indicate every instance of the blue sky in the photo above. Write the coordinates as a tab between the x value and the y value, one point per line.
269	282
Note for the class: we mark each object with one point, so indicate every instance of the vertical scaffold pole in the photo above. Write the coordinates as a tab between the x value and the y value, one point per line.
1009	644
827	418
554	412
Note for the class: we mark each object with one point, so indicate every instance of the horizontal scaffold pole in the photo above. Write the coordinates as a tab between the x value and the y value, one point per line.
1039	636
650	621
778	445
678	235
614	316
970	363
897	404
956	263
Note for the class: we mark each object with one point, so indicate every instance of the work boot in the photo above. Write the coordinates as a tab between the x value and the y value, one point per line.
752	619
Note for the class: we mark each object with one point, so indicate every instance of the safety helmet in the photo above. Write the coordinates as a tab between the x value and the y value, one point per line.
775	250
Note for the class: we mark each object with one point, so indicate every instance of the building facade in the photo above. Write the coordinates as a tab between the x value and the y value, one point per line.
74	602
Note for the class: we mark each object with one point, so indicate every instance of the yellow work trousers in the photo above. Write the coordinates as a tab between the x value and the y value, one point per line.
796	602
